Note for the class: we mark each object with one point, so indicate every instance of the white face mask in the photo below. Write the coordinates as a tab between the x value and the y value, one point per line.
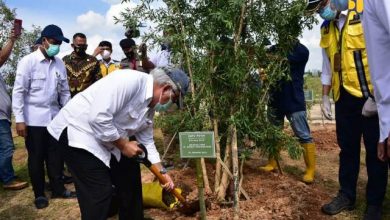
106	54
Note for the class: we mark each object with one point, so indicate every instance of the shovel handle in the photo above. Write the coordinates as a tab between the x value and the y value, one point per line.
163	180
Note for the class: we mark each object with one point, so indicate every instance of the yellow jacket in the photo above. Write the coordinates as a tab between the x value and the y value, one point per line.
111	67
354	74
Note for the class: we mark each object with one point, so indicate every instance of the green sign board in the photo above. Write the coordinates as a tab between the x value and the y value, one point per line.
197	144
309	97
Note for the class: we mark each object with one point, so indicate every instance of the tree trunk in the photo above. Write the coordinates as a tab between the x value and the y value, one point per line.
218	155
224	183
205	177
236	197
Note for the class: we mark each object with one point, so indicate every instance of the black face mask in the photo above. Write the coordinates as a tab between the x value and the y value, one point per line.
130	55
80	50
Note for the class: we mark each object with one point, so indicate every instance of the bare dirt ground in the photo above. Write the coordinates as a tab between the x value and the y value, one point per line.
273	195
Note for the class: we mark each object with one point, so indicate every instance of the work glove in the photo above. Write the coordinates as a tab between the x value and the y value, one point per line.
326	107
369	108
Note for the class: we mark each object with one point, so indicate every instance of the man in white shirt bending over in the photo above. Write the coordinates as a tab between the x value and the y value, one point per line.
93	130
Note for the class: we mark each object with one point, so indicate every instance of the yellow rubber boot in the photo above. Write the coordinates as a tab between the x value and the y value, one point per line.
272	165
310	160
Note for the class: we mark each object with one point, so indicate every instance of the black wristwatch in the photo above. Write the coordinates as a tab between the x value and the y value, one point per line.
163	170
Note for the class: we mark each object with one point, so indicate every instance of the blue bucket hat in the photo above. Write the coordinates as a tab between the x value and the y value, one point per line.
181	80
54	32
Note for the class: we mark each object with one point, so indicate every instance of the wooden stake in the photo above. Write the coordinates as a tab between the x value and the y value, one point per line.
241	175
235	174
217	154
246	195
205	176
221	192
279	167
199	175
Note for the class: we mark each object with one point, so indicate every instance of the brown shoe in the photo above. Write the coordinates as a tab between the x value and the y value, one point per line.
15	185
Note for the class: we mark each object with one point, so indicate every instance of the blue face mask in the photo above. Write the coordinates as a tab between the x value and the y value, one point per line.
340	5
327	13
53	50
163	107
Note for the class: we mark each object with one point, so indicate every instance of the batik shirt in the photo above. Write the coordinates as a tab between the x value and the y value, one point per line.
82	72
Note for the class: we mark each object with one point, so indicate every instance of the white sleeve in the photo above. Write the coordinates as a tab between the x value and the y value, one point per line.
64	92
111	97
21	87
145	137
326	75
161	59
154	59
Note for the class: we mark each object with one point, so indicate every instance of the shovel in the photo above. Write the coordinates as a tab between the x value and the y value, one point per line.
185	208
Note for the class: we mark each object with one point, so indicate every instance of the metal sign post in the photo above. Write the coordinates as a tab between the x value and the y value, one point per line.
198	145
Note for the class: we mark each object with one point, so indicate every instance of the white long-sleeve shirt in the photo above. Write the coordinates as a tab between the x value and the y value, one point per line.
40	90
162	58
113	107
376	24
326	75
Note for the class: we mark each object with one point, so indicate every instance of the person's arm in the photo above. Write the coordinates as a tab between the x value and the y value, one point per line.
326	75
21	87
326	80
63	90
146	63
97	51
5	52
145	137
113	96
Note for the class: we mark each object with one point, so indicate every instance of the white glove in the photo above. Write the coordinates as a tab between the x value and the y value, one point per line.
369	108
326	107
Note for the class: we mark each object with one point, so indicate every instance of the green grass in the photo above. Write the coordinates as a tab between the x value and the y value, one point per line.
313	83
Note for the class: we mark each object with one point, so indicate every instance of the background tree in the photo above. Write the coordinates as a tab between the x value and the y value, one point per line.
22	46
223	44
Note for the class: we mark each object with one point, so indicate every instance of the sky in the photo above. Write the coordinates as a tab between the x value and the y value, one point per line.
95	18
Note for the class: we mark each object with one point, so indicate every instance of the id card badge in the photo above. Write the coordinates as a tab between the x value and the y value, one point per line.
337	62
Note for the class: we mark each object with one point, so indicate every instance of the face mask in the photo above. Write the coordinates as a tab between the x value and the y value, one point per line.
106	54
163	107
340	5
130	54
327	13
53	49
80	50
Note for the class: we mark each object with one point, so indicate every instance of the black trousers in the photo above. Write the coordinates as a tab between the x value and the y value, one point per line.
96	184
350	127
43	148
126	176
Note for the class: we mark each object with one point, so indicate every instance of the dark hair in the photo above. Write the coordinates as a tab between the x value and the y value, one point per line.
80	35
127	43
105	44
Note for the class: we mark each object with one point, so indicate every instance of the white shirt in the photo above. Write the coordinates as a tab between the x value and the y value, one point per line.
326	75
113	107
376	24
161	59
40	89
